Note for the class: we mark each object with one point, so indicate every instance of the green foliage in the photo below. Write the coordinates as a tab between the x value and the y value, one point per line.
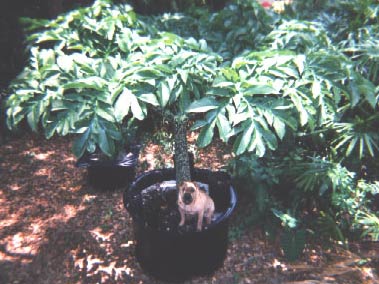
335	124
359	12
299	36
357	137
95	68
254	179
105	67
264	94
307	194
288	221
240	26
293	243
370	223
151	7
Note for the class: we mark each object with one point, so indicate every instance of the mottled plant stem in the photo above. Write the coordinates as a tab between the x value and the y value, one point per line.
182	166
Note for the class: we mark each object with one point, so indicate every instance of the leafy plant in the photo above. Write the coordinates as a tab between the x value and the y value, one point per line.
329	229
299	36
370	223
102	65
358	137
116	72
293	243
362	46
256	178
293	238
360	12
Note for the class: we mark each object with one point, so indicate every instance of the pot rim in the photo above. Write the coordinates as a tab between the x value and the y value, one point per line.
127	159
169	171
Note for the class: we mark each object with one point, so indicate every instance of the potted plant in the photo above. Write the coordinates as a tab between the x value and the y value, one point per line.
96	72
69	87
108	173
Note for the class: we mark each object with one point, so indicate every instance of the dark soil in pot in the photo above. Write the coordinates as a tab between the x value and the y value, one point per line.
164	249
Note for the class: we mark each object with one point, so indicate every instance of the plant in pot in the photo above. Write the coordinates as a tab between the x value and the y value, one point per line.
97	72
70	85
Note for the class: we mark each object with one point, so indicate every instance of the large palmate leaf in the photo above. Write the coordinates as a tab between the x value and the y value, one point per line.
358	137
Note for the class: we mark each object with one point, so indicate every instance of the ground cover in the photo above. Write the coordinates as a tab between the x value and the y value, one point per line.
55	229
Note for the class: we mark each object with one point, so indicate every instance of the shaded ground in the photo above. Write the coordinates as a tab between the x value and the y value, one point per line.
55	229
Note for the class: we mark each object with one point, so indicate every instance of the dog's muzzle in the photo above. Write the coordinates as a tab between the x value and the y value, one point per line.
187	198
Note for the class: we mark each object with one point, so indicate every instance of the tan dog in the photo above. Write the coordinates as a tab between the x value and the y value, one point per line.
193	201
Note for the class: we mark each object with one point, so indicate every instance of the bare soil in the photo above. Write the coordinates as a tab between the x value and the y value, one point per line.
54	228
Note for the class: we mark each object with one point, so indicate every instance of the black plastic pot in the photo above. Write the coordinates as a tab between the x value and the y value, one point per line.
104	174
176	255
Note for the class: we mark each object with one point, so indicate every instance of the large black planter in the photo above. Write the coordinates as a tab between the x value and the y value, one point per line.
103	174
179	255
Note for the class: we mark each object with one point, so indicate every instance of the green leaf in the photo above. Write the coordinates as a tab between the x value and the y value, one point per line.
223	84
203	105
351	146
245	139
96	83
32	121
111	30
257	143
367	88
183	75
122	105
261	90
206	135
50	129
293	244
105	113
47	57
299	104
163	94
287	219
299	61
361	147
280	127
316	89
323	188
354	94
270	139
177	93
198	124
149	98
33	116
223	127
106	144
136	108
289	71
370	143
80	143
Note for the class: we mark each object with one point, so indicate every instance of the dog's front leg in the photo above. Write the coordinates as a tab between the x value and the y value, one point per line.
182	217
208	218
200	216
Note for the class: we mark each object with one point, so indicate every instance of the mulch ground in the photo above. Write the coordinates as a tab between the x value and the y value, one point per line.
54	228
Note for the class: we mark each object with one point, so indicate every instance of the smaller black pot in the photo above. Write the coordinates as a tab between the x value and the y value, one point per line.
103	174
176	255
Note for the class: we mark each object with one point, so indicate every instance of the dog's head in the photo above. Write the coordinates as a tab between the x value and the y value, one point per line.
188	192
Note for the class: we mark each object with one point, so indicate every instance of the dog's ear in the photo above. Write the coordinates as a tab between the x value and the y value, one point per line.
197	186
181	185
